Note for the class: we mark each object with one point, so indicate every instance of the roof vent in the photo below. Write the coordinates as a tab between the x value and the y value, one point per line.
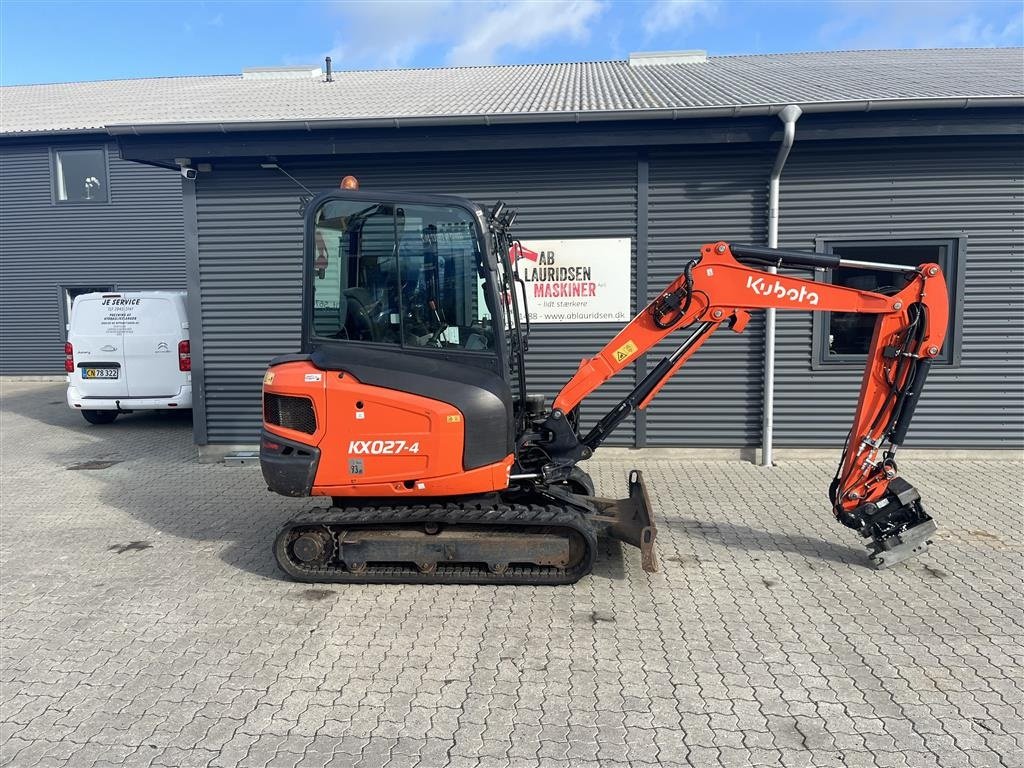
658	58
281	73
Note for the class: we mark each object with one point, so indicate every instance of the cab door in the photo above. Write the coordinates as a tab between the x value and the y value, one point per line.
97	340
152	330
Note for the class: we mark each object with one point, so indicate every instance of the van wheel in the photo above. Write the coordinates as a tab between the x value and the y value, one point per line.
99	417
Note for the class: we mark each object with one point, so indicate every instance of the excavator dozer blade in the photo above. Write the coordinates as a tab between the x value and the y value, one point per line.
630	521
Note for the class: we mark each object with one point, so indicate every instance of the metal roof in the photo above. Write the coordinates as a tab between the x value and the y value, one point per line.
602	90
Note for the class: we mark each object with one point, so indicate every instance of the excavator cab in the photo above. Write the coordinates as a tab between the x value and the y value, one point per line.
406	355
407	403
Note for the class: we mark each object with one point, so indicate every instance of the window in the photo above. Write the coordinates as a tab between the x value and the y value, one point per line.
66	295
80	176
399	274
843	337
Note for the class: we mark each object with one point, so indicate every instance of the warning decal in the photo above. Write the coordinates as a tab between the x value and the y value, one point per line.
625	352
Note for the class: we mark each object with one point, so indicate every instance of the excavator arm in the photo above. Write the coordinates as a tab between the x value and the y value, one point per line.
867	494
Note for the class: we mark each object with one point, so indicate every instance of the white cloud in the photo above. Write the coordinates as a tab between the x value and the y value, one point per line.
376	34
671	15
903	24
522	26
391	34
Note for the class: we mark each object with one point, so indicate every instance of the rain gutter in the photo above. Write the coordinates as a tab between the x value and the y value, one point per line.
788	116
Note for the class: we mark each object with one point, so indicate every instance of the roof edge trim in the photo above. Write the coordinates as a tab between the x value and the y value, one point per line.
669	113
672	113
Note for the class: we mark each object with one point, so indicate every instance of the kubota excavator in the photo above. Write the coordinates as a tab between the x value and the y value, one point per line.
408	402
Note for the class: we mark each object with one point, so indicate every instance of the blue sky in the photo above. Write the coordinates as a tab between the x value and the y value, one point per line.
44	42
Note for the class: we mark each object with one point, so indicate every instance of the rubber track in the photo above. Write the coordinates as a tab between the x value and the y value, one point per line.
451	514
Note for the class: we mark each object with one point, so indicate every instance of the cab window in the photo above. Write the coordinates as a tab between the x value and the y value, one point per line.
399	274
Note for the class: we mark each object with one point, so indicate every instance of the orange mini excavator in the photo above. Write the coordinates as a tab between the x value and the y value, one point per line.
408	403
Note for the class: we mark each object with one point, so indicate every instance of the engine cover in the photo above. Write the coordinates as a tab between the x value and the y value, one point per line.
366	440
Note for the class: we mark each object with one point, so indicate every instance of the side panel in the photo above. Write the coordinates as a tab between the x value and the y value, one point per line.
133	242
378	441
481	396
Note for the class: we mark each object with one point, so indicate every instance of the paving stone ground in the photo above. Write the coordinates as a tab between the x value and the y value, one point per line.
144	624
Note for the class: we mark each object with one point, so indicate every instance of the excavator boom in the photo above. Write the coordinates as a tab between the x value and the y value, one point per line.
867	494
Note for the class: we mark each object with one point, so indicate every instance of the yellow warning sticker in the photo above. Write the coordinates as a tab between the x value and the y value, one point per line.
625	352
454	419
268	378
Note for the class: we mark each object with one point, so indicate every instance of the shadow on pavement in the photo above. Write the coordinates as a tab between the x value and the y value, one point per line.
611	560
149	468
747	539
45	402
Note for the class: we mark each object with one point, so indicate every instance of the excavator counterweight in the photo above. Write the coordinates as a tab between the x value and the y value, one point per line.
408	403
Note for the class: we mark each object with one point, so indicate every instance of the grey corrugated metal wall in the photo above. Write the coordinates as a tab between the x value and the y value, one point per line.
134	241
697	196
906	189
250	258
250	240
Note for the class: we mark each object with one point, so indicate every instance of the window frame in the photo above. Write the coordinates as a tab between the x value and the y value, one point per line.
312	341
55	175
65	300
956	242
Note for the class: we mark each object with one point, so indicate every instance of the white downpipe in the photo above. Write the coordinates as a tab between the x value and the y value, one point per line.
789	115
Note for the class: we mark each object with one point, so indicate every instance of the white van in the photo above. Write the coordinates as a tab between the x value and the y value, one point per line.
127	352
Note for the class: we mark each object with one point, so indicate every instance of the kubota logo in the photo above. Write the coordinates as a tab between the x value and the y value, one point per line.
762	287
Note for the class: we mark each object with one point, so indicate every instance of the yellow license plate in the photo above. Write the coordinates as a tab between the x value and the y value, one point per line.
99	373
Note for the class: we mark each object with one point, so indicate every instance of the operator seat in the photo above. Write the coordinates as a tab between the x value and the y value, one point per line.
359	322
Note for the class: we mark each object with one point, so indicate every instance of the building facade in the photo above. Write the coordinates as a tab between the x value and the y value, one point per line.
911	180
119	226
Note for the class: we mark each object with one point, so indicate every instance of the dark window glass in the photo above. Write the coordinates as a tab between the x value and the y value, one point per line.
68	294
81	175
847	336
399	274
